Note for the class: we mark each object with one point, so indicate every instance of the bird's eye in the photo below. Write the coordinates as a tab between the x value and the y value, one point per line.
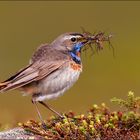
73	39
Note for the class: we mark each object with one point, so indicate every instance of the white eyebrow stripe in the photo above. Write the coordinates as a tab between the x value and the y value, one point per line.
70	36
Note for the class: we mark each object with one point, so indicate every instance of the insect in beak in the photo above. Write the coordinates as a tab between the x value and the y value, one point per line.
95	40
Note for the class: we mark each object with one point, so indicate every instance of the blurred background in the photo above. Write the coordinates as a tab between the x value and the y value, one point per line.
26	25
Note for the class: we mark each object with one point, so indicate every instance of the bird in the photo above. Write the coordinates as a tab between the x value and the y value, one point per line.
52	70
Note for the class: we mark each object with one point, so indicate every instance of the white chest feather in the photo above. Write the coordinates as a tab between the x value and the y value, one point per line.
57	83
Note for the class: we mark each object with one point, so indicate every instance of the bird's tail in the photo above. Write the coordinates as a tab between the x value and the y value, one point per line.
15	81
3	85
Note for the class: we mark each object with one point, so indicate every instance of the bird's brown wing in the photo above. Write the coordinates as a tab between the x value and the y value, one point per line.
31	73
41	51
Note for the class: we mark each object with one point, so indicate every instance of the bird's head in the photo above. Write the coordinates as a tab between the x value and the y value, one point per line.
74	42
69	41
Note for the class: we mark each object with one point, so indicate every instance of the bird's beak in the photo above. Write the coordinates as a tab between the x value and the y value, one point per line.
83	40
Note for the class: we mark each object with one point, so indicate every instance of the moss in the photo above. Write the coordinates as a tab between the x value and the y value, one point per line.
99	122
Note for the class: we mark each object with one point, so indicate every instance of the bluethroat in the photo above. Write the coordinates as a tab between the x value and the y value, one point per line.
53	68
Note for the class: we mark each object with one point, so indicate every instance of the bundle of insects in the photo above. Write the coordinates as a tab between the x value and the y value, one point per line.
96	40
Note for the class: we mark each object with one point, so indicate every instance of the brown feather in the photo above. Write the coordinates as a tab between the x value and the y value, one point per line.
30	74
44	61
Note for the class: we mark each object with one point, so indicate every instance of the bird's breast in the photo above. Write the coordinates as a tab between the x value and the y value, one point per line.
58	82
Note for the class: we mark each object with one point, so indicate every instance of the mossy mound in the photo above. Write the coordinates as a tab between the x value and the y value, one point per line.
100	123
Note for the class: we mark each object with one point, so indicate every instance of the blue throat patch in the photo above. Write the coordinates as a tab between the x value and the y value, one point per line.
73	53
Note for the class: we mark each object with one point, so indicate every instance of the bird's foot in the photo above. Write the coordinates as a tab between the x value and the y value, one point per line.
44	126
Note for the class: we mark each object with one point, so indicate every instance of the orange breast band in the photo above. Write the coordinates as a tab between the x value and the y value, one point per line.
75	66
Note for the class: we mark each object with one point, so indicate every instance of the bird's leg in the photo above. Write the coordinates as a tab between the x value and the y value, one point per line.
48	107
39	114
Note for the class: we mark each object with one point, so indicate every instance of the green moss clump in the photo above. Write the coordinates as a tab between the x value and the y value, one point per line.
99	122
131	104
